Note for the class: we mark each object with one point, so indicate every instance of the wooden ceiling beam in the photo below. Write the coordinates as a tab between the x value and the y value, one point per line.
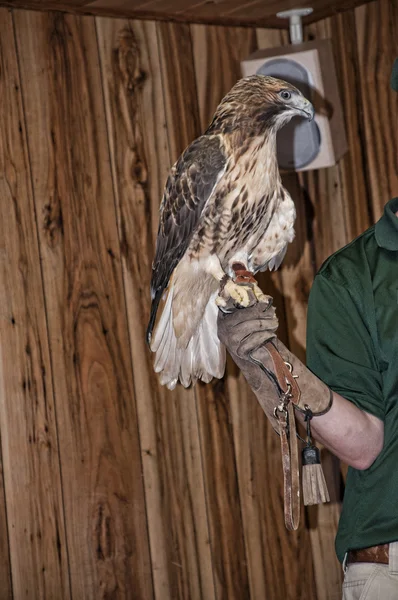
216	12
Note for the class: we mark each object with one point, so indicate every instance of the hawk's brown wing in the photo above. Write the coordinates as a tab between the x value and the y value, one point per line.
189	187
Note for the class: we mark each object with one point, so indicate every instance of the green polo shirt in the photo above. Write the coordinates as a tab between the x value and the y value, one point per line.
352	345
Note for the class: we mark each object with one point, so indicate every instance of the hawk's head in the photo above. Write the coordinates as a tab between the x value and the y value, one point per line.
260	103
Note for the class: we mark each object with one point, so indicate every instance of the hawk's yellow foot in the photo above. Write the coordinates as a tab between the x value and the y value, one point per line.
240	294
244	276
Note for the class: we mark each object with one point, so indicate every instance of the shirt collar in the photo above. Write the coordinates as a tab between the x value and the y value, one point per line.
386	229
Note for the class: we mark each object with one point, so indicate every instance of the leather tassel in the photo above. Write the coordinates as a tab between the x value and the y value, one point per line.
315	490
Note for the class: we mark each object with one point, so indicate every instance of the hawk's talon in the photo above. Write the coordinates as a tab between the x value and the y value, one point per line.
221	302
260	296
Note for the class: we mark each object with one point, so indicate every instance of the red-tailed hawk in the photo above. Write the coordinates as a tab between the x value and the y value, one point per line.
223	203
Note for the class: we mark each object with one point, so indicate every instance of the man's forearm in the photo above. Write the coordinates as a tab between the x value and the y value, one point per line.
354	436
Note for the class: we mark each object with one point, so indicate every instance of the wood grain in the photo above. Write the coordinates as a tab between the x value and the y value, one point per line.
179	91
28	429
176	508
250	13
100	455
338	222
376	26
352	168
258	13
5	559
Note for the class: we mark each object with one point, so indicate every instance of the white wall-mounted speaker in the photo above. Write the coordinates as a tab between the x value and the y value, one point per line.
304	145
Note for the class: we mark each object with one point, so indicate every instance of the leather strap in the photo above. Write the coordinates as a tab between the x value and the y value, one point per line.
374	554
291	486
283	374
287	431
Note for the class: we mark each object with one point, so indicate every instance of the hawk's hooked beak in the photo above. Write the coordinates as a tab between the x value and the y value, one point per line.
304	108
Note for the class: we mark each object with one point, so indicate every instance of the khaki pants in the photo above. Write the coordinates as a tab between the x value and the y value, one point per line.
370	581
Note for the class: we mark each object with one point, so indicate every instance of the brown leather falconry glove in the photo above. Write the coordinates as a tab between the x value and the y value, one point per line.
282	384
245	332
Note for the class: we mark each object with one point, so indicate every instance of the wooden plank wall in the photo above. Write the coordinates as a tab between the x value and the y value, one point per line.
111	486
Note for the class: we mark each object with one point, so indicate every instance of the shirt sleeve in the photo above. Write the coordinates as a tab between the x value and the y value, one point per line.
339	346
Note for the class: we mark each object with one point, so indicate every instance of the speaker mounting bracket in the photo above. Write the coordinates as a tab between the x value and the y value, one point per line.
295	24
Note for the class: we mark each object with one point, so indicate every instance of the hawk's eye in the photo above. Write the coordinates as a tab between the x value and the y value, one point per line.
285	95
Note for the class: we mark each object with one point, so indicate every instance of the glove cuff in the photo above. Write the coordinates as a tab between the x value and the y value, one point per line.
310	396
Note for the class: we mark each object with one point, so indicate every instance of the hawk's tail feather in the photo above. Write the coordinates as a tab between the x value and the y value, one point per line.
152	318
163	337
204	356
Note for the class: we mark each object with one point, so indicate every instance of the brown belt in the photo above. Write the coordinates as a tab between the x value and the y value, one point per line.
374	554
